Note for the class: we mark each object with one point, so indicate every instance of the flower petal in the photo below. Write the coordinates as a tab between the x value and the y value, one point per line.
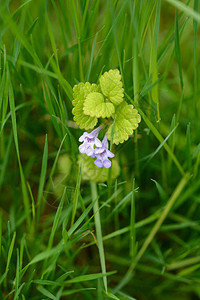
99	150
82	137
107	163
82	147
94	132
105	142
98	163
110	154
103	155
89	151
97	142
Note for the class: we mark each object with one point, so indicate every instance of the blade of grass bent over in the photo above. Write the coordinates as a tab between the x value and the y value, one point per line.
186	9
88	277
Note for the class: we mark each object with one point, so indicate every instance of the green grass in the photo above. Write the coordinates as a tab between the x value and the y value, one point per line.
136	237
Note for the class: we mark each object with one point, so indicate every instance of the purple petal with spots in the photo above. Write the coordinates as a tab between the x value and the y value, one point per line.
102	154
89	140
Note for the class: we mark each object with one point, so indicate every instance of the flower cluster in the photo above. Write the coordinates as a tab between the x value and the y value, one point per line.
102	103
101	151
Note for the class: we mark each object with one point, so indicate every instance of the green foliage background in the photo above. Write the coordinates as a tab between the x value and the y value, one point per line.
145	222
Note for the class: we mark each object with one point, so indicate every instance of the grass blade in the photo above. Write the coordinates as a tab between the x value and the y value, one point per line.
178	49
132	222
10	251
46	293
83	278
42	178
14	126
160	139
186	9
155	228
76	196
56	220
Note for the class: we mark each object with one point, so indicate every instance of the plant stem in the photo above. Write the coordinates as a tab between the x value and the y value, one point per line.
97	220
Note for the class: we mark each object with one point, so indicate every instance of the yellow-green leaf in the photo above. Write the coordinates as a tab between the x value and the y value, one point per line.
111	86
81	119
95	106
126	120
80	92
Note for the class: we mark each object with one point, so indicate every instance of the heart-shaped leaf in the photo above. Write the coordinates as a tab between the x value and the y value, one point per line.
111	86
95	106
126	120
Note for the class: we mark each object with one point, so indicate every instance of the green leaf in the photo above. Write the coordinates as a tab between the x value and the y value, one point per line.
10	251
73	291
95	106
46	293
81	119
111	296
83	278
80	93
111	86
46	254
81	90
89	171
126	120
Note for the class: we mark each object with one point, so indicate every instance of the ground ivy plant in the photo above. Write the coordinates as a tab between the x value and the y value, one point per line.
103	105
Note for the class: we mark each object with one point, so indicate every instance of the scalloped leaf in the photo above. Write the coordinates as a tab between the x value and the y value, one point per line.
111	86
84	121
81	90
127	120
95	106
89	171
80	93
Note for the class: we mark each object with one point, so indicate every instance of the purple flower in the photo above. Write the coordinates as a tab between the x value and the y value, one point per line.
102	154
89	140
